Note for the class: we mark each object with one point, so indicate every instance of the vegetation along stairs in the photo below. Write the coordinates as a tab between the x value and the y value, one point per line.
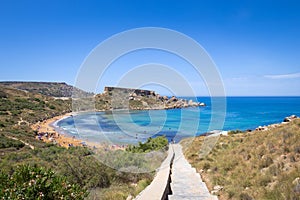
176	180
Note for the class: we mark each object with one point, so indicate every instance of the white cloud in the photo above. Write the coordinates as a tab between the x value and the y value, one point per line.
283	76
240	78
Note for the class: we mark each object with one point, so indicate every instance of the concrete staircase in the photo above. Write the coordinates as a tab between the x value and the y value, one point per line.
186	183
176	180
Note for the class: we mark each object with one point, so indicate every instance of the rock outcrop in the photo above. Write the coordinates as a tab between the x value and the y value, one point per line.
290	118
137	99
271	126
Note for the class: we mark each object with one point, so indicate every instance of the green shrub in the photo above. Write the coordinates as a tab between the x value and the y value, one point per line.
234	132
29	182
7	142
141	185
52	107
3	113
2	125
152	144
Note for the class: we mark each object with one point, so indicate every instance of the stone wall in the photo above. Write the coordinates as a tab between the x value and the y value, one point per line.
129	91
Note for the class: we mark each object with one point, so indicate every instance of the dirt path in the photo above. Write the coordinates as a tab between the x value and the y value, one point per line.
27	144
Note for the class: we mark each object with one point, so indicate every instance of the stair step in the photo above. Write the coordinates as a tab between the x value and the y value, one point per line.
186	183
199	197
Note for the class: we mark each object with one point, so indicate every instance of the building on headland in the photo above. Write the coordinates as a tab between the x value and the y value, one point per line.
140	99
129	91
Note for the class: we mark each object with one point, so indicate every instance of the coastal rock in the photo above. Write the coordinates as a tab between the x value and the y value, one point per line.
202	104
272	126
290	118
262	128
172	99
152	93
192	103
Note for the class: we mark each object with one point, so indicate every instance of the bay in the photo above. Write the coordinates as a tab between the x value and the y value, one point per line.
131	127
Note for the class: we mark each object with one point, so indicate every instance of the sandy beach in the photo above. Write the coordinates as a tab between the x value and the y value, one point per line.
47	133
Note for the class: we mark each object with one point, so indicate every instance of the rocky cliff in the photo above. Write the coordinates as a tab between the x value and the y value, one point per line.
137	99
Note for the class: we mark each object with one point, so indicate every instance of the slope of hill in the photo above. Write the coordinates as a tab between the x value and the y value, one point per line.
112	98
252	165
54	89
18	146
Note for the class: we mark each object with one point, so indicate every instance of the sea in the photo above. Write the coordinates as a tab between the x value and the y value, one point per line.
224	114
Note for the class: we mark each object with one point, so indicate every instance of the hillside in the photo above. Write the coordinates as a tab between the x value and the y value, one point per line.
261	164
250	165
19	146
111	98
54	89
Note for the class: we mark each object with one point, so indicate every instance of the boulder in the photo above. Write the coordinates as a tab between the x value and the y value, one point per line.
152	93
290	118
192	103
262	128
173	98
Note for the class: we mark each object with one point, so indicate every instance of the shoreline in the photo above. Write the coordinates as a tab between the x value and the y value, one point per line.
48	132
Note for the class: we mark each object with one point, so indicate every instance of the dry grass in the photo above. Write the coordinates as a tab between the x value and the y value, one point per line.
119	191
254	165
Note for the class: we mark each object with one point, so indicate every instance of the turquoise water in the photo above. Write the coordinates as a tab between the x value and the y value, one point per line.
123	127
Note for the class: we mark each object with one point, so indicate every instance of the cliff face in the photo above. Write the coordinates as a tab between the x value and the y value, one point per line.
136	99
54	89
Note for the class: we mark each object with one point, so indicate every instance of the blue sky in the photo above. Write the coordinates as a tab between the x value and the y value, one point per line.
255	44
